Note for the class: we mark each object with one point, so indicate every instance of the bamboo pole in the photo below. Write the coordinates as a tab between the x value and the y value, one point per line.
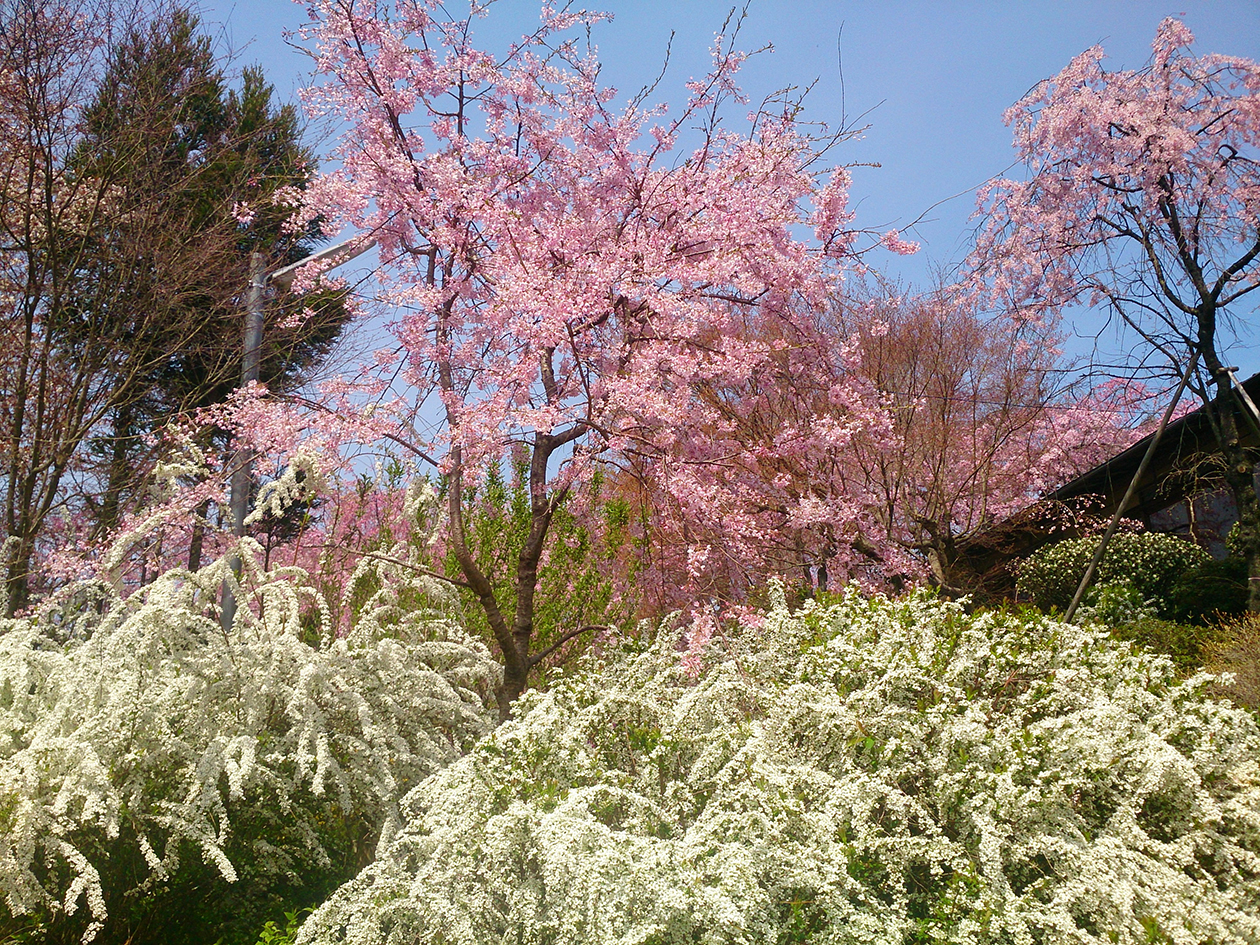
1130	492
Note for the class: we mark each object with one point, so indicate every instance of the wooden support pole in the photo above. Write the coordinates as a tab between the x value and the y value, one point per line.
1130	492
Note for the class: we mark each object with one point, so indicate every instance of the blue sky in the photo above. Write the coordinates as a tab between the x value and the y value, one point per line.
930	79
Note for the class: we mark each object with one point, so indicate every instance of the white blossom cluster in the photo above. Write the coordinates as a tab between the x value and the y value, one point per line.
401	596
300	480
1149	562
141	724
870	772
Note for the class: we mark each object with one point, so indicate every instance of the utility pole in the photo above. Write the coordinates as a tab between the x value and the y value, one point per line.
243	457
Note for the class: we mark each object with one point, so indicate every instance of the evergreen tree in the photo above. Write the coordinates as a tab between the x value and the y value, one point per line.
126	158
193	157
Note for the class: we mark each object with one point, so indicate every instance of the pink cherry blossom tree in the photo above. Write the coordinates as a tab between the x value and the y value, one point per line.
982	418
775	463
1143	194
572	281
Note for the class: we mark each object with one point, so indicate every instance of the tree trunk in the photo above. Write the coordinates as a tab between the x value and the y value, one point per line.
198	538
515	682
121	472
17	577
1239	475
1250	535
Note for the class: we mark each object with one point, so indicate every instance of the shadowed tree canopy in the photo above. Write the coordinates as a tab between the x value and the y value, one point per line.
196	157
138	180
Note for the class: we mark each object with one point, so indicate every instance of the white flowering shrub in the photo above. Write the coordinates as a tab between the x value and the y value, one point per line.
1116	604
870	772
1149	562
162	780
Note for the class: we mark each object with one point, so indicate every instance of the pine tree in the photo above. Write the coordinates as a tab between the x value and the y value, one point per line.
125	159
195	157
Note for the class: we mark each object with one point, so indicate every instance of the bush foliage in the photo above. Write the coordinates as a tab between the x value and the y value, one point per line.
1210	590
164	781
1183	643
871	771
1148	561
1236	652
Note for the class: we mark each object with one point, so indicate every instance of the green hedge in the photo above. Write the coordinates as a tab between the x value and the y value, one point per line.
1151	562
1217	588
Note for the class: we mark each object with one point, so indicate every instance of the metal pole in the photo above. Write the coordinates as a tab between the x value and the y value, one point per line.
242	460
1129	493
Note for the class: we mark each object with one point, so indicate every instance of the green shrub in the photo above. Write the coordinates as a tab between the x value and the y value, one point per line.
1115	604
872	771
1212	588
273	933
1185	644
1149	561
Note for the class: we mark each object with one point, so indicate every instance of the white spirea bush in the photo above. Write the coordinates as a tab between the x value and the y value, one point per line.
139	726
872	772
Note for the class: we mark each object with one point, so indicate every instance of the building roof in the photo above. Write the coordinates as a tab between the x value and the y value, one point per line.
1175	470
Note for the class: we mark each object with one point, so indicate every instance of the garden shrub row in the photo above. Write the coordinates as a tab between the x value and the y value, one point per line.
865	770
872	771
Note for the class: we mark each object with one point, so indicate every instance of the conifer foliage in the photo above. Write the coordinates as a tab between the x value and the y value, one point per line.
134	184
